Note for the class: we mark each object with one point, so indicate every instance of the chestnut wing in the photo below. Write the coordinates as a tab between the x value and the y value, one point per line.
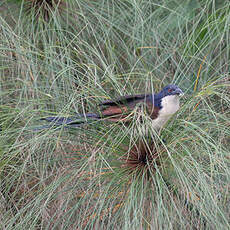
119	109
125	100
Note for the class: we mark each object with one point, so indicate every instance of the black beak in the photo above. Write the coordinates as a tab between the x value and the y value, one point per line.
179	92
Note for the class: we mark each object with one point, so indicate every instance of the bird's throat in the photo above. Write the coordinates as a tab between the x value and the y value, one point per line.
170	105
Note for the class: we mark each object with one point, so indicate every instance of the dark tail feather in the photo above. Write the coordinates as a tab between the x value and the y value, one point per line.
62	120
73	122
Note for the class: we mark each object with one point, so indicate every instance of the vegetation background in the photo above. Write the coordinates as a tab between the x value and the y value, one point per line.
60	57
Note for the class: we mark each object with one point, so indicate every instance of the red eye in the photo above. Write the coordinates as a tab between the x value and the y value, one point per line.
169	90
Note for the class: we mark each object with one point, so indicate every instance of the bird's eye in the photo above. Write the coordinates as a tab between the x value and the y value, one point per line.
170	90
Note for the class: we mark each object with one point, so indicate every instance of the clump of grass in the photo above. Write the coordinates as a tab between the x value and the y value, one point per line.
44	8
142	157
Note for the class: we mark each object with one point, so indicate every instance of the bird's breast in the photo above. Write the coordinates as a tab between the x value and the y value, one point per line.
170	105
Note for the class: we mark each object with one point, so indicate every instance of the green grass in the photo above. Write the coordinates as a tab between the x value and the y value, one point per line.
68	59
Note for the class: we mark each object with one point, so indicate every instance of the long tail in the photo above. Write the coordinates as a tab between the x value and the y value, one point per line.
69	122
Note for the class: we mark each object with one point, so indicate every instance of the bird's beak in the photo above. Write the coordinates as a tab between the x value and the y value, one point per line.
179	92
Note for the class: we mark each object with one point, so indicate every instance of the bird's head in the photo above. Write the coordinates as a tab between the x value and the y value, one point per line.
171	90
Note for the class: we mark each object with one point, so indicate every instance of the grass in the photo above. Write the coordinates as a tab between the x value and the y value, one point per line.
68	58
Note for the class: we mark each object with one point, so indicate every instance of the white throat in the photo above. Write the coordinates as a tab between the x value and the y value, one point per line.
170	105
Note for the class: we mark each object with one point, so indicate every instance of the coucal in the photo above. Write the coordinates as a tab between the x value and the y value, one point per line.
159	107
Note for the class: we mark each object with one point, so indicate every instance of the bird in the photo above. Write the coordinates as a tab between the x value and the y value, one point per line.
159	107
